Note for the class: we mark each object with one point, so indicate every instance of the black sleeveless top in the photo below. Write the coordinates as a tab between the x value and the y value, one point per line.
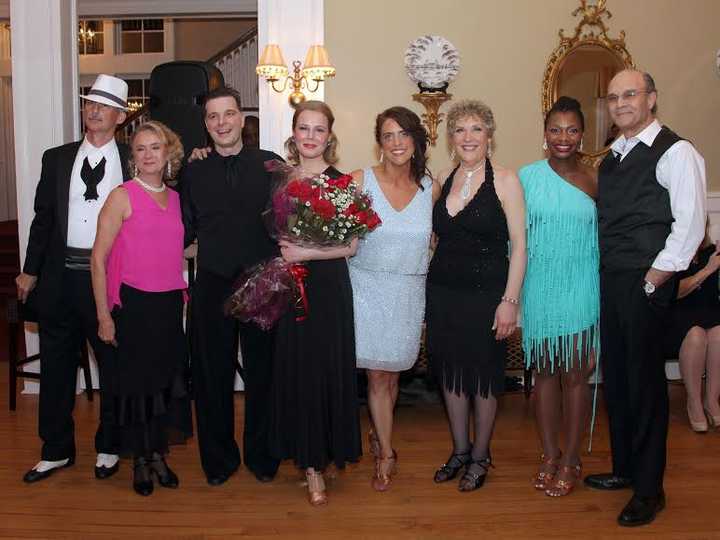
472	249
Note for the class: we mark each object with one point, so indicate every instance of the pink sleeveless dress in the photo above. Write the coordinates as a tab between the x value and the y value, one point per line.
145	289
148	251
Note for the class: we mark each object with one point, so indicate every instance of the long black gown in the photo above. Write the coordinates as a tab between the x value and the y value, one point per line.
315	417
466	280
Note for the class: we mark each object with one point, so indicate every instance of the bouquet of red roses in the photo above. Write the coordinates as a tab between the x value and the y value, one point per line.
313	211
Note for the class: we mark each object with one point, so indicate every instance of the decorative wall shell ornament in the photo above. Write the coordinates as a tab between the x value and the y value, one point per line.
432	62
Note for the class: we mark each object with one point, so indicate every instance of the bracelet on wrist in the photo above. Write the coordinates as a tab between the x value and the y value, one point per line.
509	300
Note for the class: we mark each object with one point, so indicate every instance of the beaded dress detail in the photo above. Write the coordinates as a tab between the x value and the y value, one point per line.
388	279
467	277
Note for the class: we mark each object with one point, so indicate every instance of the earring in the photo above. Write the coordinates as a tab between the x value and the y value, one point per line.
489	149
169	169
452	155
581	145
135	170
382	156
545	146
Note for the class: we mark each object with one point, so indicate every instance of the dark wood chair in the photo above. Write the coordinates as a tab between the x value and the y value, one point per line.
515	360
15	322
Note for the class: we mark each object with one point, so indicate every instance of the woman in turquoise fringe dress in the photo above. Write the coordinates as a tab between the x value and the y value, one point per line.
561	297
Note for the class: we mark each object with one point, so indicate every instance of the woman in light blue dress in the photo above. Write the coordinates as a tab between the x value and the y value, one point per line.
561	298
388	273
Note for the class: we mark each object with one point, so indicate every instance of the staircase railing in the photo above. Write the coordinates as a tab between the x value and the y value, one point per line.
237	63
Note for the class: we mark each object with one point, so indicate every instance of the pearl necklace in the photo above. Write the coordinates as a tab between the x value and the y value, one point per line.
465	191
154	189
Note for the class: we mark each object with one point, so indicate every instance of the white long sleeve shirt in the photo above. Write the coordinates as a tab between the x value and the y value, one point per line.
680	170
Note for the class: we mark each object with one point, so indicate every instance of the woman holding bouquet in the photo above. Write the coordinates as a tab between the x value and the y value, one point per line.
315	416
473	289
388	273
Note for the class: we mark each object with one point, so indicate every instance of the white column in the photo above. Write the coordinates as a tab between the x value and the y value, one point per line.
294	25
45	89
45	102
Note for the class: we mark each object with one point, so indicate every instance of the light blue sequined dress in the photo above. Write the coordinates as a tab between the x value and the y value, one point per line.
388	280
561	292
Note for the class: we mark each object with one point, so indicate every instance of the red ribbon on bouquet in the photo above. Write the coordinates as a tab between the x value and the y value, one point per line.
299	272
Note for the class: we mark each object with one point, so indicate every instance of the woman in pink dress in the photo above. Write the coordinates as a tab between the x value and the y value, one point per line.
137	275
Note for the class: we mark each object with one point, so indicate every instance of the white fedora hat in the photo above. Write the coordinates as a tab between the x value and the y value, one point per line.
108	90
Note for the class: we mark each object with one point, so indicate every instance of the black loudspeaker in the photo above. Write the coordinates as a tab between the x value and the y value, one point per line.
177	94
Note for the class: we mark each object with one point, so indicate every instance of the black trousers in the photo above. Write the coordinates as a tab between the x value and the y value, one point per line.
633	368
62	334
214	357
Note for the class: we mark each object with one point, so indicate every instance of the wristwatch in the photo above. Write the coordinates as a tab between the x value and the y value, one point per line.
649	287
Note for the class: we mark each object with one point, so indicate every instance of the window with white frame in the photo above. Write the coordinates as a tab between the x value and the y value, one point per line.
91	37
140	36
138	93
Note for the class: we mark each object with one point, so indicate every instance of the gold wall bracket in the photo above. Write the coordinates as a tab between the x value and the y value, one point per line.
432	117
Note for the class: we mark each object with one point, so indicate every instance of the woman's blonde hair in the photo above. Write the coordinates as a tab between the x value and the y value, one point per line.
469	108
169	138
329	155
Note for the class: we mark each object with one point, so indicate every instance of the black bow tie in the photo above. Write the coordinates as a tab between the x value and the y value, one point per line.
92	177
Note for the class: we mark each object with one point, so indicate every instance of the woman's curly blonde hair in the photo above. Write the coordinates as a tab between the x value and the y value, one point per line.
169	138
469	108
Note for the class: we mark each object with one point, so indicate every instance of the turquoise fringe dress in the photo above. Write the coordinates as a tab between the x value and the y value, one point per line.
561	293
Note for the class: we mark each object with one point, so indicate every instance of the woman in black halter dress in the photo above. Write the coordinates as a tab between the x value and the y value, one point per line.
473	288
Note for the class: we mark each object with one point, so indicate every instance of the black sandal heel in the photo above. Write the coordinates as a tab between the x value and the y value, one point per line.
451	468
471	481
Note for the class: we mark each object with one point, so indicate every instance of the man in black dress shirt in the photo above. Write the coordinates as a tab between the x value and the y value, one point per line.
223	197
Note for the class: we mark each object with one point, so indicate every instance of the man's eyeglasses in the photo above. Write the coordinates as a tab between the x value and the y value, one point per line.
612	99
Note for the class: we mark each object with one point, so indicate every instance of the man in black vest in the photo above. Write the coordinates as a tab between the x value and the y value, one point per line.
76	179
223	197
651	219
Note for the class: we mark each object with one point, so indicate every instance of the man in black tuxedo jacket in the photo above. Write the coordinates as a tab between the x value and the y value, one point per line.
223	197
76	179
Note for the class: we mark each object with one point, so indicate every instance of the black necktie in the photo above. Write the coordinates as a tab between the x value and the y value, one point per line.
92	177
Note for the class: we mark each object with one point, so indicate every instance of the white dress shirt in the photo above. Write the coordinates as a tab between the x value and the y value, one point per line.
680	170
82	214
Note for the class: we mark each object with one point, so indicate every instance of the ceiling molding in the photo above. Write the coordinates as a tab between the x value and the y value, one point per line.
112	8
127	8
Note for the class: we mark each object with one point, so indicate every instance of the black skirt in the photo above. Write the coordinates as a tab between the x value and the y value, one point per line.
315	407
682	319
464	355
149	390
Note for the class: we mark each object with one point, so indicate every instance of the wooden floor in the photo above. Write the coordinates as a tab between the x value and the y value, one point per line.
73	504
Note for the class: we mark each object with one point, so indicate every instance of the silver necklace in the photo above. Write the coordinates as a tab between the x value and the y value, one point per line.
154	189
465	191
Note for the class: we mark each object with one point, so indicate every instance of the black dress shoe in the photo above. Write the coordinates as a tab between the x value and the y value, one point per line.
165	475
142	478
217	479
35	476
607	481
264	477
641	510
103	472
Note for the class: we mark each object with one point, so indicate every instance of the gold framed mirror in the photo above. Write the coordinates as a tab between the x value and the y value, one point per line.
581	66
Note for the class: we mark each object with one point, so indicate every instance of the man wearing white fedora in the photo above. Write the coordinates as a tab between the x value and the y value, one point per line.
76	179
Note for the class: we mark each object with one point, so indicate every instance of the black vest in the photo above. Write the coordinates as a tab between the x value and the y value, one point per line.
634	214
